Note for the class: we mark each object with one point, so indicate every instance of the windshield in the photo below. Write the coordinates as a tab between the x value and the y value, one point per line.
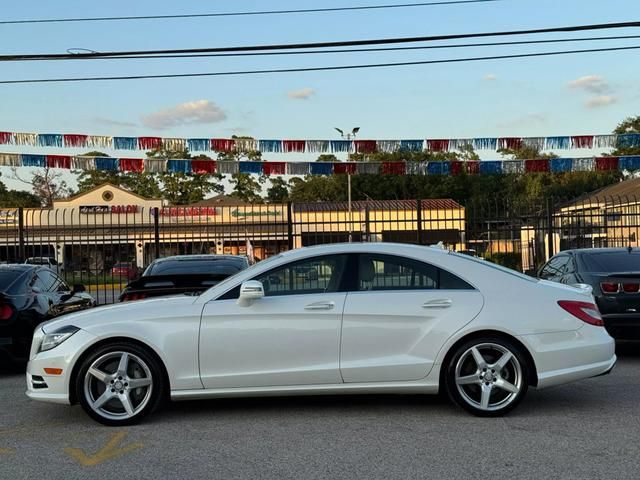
197	266
612	261
252	267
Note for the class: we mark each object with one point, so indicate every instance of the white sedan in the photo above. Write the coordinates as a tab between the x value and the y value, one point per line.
372	318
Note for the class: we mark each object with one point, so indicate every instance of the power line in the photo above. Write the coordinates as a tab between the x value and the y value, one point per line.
300	46
318	69
355	50
245	14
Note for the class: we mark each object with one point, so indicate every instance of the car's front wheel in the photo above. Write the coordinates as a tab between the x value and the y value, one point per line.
119	384
487	376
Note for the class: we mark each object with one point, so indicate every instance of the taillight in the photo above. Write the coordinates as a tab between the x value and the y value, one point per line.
587	312
609	287
6	312
133	296
631	287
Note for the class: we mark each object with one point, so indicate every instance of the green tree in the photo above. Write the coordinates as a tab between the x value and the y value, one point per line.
525	152
186	188
279	190
327	157
629	125
46	184
247	188
17	198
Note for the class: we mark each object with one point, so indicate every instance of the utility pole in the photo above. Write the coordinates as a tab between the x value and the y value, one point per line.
349	136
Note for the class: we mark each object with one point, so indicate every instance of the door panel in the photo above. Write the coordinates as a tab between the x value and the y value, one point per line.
396	335
277	340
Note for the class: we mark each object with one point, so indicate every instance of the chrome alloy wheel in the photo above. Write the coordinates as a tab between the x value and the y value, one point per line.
488	376
118	385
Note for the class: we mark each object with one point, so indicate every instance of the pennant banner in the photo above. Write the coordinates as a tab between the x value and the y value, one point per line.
247	144
204	166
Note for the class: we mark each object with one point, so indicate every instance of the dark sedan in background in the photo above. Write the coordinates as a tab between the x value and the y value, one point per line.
182	274
614	275
29	295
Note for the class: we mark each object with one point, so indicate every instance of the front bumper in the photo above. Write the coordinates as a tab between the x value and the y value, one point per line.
54	388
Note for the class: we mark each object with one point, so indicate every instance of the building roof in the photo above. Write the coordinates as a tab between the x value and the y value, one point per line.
106	184
627	191
220	201
427	204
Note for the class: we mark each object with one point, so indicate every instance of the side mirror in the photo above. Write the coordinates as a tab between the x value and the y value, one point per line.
250	291
78	288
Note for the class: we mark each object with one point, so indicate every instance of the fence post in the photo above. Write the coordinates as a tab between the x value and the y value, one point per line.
289	226
419	219
21	253
367	227
156	230
550	227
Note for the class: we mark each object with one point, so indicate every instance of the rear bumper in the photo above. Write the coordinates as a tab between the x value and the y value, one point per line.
623	326
564	357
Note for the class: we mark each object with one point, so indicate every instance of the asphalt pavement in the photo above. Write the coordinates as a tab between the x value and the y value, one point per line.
585	430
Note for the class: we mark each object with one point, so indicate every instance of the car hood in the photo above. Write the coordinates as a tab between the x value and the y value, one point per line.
108	313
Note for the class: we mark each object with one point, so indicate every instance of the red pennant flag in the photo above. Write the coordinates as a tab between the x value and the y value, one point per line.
293	145
203	166
58	161
538	165
366	146
132	165
74	140
344	168
438	145
5	137
274	168
222	144
606	163
149	143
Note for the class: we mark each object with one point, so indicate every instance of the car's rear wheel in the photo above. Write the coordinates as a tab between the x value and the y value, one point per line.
119	384
487	376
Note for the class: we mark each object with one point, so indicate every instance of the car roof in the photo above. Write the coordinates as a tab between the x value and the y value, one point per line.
19	267
182	258
589	251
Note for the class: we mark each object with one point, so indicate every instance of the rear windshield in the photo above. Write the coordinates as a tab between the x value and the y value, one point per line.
8	277
612	262
225	267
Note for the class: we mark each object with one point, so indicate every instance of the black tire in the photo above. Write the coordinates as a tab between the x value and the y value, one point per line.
141	366
459	368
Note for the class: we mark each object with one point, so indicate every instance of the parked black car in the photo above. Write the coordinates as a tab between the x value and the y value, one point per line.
181	274
614	275
29	295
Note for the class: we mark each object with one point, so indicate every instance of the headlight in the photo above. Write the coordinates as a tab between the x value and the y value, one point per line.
55	338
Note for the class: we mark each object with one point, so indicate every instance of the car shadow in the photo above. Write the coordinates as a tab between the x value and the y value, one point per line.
628	349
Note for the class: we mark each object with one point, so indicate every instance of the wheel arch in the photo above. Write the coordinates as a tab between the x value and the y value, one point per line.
533	371
106	341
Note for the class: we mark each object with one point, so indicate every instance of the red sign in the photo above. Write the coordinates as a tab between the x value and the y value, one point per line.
188	211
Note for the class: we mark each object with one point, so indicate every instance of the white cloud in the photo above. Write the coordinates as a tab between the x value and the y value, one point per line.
590	83
490	77
523	121
302	94
601	101
198	111
114	123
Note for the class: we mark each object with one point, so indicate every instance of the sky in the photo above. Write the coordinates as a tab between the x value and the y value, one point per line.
565	95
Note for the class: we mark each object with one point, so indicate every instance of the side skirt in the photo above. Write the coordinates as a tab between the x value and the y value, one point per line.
301	390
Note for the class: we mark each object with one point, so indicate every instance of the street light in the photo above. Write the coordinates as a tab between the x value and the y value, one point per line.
349	136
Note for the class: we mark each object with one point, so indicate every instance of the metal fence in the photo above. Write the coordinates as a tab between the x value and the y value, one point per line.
103	248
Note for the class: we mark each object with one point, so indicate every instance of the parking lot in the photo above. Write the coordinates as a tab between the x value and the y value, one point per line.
588	429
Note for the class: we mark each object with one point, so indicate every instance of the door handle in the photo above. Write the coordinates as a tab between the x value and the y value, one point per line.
320	306
439	303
